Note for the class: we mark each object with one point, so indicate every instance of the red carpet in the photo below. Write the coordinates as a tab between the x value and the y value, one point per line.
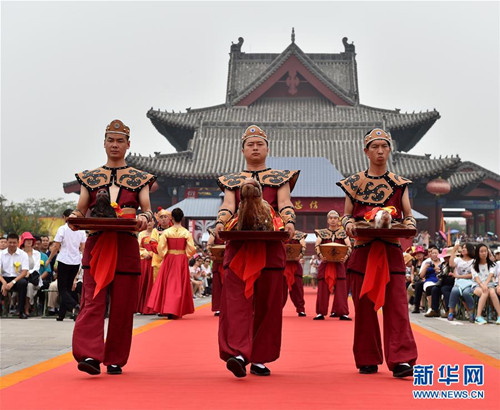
176	366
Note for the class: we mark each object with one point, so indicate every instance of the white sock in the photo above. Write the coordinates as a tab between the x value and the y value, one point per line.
240	357
319	315
261	366
404	364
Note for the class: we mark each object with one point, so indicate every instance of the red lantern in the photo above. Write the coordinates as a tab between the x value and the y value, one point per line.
438	186
466	214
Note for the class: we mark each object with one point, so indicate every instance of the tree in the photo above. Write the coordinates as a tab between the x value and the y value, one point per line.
25	216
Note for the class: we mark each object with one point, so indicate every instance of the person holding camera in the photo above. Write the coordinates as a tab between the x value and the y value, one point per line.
446	280
429	271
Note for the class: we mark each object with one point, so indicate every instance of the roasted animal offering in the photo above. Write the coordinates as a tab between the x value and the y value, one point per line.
103	208
254	213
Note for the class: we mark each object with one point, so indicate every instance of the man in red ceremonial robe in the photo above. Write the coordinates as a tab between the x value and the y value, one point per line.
217	273
294	273
376	266
331	275
111	260
250	324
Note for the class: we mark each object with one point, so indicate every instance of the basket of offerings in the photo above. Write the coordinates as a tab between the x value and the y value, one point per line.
217	252
333	252
293	251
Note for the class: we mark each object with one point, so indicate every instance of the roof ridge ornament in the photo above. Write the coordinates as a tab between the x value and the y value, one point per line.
293	35
348	48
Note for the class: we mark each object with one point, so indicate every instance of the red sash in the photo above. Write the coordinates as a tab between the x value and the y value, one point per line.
248	263
330	275
103	260
290	269
376	275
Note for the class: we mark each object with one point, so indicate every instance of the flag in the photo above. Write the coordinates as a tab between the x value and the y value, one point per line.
442	227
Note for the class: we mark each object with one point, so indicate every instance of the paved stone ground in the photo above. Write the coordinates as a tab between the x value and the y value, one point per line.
28	342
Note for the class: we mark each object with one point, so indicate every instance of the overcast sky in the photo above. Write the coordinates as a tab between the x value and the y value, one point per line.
69	68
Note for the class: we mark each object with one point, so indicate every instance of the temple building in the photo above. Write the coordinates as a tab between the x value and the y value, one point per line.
309	105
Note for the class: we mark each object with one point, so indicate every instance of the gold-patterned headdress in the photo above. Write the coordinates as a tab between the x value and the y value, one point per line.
253	131
377	134
118	127
334	213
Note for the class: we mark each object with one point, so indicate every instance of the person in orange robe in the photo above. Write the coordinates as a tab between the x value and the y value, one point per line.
376	266
146	279
164	219
172	294
331	275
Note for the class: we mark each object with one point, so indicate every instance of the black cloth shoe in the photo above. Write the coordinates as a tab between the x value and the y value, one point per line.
402	370
368	369
415	311
59	318
90	366
259	371
319	317
236	366
333	314
217	313
344	317
302	314
114	369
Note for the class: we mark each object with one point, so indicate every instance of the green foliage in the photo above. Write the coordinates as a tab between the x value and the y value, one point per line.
24	216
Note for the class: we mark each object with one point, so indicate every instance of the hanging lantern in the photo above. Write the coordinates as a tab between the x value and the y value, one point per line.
438	186
466	214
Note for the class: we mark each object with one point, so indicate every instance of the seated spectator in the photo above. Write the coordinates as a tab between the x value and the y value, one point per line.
45	269
3	243
196	278
446	280
14	267
419	254
484	286
429	271
463	279
33	277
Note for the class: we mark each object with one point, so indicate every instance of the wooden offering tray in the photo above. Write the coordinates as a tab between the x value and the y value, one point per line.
386	232
293	251
333	252
103	224
217	252
254	235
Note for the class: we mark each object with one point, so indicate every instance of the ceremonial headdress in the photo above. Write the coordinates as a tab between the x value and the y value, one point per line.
253	131
162	211
118	127
377	134
333	212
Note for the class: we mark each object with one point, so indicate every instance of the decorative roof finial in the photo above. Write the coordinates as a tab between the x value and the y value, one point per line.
293	35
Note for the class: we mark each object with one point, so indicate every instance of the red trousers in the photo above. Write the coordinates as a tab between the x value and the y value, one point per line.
340	292
399	344
88	334
297	290
252	327
216	286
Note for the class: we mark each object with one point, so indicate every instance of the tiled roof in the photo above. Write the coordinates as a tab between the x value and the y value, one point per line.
317	176
468	173
296	113
294	50
247	68
199	208
216	151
